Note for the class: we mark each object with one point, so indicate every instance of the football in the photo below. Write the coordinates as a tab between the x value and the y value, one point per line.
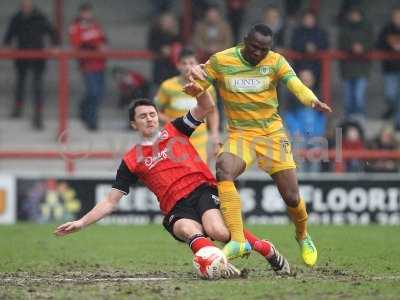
210	263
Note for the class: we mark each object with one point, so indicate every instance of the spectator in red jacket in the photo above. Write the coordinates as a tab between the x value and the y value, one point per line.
353	139
86	34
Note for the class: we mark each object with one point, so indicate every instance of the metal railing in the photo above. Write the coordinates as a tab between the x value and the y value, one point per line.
64	56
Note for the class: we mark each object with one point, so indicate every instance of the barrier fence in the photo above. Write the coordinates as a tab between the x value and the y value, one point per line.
64	56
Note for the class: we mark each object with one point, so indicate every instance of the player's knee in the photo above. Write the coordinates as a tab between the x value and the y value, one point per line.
219	233
223	171
292	198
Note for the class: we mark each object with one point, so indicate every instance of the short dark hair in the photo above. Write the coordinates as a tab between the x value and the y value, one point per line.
260	28
139	102
186	52
271	7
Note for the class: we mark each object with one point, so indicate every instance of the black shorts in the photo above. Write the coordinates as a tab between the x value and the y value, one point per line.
192	207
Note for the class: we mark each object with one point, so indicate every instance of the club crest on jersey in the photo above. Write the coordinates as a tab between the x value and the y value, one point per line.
264	70
151	161
286	146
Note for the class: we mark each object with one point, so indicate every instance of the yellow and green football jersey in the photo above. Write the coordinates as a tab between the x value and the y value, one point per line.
248	92
174	103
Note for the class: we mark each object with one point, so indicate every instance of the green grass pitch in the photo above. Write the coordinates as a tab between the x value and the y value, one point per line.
143	262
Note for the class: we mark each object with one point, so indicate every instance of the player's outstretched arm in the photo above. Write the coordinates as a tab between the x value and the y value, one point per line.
305	95
102	209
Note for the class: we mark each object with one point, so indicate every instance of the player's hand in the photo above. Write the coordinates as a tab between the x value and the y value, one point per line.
68	228
192	88
197	72
321	106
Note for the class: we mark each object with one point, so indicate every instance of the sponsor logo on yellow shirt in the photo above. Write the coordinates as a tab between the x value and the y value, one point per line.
247	84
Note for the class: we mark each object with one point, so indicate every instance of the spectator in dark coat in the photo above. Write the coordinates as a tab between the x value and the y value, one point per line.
355	37
29	27
236	10
309	39
345	6
164	42
389	40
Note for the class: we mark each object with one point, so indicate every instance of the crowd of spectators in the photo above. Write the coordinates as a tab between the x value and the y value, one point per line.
216	28
212	32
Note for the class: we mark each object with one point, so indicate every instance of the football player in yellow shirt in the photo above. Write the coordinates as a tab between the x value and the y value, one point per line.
247	77
173	103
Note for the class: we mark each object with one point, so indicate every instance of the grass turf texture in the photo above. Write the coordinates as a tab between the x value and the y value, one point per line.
355	262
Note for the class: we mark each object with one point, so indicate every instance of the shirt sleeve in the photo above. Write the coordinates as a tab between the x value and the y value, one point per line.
186	124
288	76
301	91
11	31
284	71
124	178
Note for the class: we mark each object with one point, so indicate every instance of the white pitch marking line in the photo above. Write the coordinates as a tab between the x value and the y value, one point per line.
385	277
86	279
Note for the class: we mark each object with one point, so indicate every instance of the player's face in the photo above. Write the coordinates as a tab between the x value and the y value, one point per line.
256	47
185	64
146	120
86	15
26	7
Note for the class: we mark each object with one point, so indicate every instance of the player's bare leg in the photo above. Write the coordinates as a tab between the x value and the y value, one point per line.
214	225
228	167
184	229
287	184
